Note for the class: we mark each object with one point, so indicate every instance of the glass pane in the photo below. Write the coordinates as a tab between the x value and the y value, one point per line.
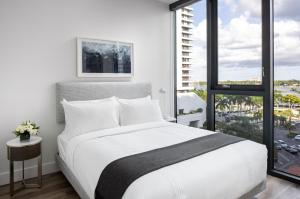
240	116
191	65
287	86
240	42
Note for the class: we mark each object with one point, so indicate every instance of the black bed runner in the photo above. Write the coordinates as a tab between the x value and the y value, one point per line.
119	174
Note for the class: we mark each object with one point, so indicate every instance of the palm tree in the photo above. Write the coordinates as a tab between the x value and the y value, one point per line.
232	101
222	104
258	115
289	126
282	120
278	98
249	102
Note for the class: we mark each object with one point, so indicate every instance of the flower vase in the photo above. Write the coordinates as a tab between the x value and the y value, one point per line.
25	137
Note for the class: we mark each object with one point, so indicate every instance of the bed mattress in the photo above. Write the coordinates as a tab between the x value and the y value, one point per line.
228	172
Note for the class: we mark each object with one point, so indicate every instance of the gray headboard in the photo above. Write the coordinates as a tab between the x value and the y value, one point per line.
74	91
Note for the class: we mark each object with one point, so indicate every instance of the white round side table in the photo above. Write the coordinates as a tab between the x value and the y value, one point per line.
21	151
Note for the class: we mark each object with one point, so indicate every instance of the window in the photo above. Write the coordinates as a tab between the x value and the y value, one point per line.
239	42
191	65
286	87
238	91
240	115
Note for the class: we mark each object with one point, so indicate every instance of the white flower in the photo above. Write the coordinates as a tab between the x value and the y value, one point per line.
34	131
27	127
20	129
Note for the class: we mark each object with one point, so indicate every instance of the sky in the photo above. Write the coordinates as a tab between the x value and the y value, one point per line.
240	40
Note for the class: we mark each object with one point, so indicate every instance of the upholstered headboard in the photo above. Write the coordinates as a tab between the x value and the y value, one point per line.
74	91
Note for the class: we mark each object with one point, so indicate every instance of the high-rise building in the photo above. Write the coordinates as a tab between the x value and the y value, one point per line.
184	26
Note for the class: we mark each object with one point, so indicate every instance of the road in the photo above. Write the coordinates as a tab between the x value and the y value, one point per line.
285	158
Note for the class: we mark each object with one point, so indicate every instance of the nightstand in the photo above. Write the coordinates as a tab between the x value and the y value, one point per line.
21	151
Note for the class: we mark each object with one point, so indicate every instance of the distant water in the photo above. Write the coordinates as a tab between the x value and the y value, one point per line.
286	90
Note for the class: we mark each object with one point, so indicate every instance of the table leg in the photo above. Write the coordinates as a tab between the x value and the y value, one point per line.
23	176
11	164
40	170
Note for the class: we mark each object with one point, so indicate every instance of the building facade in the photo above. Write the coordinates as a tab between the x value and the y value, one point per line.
184	28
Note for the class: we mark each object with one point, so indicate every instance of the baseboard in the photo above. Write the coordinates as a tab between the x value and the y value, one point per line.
30	172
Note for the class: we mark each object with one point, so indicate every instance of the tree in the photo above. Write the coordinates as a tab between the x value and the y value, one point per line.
282	120
241	128
258	116
232	100
222	104
291	100
278	98
201	93
249	102
289	126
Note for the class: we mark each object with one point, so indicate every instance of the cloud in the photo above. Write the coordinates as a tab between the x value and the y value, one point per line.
240	48
246	7
240	43
288	9
199	65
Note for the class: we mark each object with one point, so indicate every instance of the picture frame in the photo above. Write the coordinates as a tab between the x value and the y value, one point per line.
104	58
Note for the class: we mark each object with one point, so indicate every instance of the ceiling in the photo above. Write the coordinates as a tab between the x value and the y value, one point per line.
167	1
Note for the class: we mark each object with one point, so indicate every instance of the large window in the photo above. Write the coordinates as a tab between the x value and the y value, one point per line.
191	65
244	90
287	86
239	42
238	50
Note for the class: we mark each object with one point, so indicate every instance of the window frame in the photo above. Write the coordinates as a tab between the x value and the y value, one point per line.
212	18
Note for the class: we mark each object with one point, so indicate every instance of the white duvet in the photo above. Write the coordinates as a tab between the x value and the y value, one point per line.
226	173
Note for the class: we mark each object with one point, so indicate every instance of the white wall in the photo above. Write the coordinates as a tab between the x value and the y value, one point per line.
38	49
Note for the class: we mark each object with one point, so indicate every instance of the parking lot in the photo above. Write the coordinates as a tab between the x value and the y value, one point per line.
285	159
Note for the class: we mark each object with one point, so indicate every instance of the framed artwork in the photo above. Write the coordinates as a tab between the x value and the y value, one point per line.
101	58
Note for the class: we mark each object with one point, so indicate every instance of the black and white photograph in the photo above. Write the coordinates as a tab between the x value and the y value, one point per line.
102	58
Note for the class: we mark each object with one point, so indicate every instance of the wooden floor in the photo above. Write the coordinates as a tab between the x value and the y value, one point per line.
280	189
55	186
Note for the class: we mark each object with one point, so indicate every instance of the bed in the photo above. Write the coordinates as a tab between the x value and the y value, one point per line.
234	171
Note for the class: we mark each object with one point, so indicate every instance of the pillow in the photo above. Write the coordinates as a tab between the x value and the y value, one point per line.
136	111
85	116
135	100
89	101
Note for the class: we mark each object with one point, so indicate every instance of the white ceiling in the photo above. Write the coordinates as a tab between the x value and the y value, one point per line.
167	1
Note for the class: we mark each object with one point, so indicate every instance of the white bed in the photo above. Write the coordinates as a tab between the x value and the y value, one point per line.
235	171
225	173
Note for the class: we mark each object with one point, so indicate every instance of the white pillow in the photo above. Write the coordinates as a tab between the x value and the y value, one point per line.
86	116
135	100
136	111
89	101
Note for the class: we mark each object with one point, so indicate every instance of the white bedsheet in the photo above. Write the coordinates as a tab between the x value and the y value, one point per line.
225	173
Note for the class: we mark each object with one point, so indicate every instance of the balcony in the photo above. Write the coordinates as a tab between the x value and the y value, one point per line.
189	8
186	32
187	26
186	51
187	14
187	39
189	45
186	69
187	20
